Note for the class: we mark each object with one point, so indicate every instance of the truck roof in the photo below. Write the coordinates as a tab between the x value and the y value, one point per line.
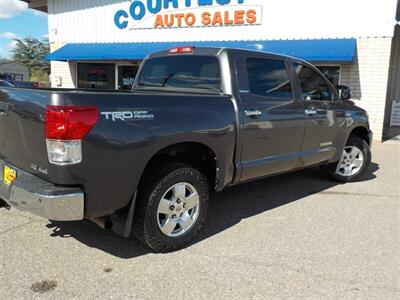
216	51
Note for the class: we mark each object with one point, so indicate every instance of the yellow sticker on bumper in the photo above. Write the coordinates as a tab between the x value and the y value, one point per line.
9	175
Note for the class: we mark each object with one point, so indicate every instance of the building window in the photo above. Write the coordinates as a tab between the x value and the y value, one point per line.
11	77
126	76
17	77
96	76
332	73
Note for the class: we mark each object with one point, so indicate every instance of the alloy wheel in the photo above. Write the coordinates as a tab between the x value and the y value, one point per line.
351	162
178	209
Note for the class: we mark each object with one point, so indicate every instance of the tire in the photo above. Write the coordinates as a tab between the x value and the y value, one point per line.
354	161
173	185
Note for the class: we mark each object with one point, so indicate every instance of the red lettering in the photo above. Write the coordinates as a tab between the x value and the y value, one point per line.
217	19
239	17
227	19
179	17
158	22
251	16
190	19
206	18
169	20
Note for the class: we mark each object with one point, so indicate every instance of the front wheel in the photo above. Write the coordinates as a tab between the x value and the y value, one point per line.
355	159
171	208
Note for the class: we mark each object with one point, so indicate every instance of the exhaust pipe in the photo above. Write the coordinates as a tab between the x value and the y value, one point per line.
104	223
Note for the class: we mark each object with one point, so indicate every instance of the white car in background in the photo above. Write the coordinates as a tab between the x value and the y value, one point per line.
4	83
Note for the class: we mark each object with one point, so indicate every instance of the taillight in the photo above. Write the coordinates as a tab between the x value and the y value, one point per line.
65	127
70	122
178	50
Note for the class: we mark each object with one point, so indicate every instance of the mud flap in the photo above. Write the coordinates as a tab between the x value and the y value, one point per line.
123	222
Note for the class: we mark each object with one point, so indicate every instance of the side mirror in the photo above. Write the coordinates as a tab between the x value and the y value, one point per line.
344	92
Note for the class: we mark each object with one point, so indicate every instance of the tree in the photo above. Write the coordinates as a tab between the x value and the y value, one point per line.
39	75
31	52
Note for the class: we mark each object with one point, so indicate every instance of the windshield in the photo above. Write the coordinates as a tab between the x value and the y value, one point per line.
183	72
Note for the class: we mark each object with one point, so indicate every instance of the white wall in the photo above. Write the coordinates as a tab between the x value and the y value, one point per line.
93	21
368	78
66	72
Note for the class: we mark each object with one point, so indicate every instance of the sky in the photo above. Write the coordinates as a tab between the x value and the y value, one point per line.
17	21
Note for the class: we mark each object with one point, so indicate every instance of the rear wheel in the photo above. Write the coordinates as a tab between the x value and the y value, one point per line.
355	159
171	207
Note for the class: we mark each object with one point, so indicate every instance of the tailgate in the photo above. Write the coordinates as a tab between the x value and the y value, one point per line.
22	138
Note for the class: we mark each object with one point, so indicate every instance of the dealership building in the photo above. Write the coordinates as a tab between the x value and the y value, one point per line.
100	44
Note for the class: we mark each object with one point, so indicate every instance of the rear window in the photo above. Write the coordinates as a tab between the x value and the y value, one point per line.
182	72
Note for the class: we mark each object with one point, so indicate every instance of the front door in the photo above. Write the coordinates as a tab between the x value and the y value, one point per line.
272	121
322	117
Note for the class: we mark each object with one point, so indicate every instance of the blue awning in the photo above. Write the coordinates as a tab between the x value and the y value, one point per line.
332	50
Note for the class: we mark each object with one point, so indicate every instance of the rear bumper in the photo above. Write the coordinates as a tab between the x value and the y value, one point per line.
42	198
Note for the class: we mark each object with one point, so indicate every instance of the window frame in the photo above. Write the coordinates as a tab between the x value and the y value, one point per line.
244	80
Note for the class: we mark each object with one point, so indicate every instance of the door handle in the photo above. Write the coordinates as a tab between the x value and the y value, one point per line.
310	111
252	113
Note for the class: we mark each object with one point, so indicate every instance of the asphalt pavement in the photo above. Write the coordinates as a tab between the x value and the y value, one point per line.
294	236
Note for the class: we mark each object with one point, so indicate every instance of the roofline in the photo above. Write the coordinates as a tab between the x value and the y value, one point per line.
216	51
12	62
40	5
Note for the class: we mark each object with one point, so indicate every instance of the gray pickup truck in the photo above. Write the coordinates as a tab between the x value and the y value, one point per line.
197	120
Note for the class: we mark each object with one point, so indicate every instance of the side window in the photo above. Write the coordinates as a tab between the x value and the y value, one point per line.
332	73
313	86
269	78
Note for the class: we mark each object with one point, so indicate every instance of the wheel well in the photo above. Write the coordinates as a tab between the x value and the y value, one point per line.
194	154
362	133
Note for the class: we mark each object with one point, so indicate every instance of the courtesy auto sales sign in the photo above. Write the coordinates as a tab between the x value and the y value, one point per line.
162	14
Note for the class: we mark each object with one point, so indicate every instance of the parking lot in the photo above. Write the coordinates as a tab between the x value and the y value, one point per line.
292	236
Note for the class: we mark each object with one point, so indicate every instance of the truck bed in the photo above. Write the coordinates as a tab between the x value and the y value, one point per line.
115	151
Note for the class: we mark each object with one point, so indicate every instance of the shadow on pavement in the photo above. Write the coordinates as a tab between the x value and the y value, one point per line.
226	209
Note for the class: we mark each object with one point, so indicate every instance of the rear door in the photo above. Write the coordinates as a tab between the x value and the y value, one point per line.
272	119
322	118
